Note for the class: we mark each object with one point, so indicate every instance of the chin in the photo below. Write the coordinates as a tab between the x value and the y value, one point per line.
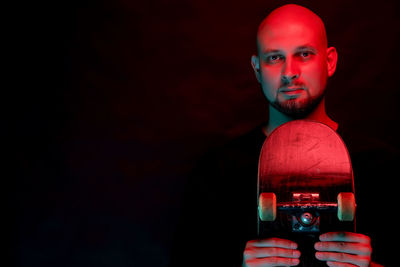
297	108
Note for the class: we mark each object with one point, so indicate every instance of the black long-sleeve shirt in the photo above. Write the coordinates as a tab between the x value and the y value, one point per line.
219	211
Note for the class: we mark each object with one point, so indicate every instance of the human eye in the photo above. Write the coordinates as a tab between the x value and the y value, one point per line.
306	54
272	59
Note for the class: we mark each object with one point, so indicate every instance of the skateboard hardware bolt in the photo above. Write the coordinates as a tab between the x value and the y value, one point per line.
307	218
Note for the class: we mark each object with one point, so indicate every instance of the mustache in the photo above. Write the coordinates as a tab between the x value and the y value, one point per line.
284	86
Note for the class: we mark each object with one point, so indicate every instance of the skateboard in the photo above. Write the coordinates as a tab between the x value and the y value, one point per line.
305	186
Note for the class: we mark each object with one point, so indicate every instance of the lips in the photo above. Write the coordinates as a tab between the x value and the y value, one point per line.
292	90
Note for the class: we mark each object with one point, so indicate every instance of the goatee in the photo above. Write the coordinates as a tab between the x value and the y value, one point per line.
297	108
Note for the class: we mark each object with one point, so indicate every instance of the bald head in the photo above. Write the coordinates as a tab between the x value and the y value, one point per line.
289	20
293	61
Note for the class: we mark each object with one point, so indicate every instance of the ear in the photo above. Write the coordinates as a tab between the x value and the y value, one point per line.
255	63
331	60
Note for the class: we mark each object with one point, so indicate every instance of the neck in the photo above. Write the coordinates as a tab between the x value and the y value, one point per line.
276	118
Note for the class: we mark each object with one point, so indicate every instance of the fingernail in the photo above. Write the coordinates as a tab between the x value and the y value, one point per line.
319	255
295	261
322	237
294	246
318	245
296	254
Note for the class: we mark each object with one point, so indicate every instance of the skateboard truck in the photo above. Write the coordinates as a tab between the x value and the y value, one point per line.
306	219
305	209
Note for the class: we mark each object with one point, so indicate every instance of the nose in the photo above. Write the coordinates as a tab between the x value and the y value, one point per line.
290	71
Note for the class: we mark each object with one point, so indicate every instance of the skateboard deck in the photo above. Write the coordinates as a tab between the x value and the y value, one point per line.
305	186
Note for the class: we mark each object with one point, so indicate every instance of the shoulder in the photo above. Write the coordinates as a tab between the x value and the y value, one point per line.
248	144
364	146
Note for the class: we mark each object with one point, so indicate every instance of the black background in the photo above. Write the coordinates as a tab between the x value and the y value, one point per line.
112	103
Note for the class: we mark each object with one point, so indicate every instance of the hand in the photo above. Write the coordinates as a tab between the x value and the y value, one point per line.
270	252
344	249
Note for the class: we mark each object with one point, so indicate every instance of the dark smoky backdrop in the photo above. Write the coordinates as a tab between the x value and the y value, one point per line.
113	102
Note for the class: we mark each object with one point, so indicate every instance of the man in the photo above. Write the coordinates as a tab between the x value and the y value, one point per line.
219	211
292	66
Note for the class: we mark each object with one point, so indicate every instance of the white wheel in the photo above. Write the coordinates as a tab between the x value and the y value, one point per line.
267	207
346	206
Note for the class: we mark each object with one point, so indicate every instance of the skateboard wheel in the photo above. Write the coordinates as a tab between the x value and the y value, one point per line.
346	206
267	207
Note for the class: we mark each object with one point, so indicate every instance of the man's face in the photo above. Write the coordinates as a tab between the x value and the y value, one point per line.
292	66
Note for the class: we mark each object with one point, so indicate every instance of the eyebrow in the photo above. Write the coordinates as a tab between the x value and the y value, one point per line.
267	51
299	48
306	47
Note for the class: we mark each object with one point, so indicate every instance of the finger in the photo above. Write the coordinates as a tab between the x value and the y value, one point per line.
346	247
272	261
258	252
339	264
273	242
345	236
343	257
